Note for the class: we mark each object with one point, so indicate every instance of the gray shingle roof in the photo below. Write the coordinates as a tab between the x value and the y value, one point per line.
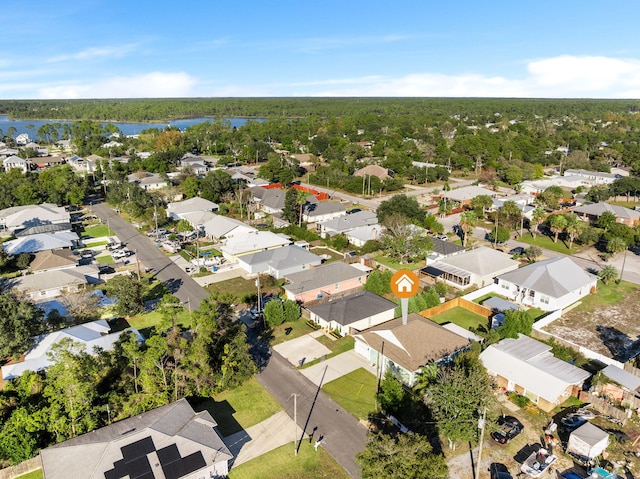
322	276
353	308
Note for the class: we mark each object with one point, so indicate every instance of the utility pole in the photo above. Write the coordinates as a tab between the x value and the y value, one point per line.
295	424
481	425
135	251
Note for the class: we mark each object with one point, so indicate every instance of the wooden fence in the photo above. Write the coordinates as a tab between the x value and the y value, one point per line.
457	303
604	407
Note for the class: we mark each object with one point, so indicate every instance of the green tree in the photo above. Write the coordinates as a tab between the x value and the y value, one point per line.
616	245
379	282
274	313
468	221
403	456
516	322
499	234
403	242
301	200
608	273
532	253
291	311
537	217
391	395
20	321
170	309
404	205
128	291
216	185
82	305
557	224
432	224
481	204
606	221
290	210
573	227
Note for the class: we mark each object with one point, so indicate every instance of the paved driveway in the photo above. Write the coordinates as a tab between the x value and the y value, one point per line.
302	349
336	367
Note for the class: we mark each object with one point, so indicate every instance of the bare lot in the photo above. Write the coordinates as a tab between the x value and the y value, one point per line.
606	322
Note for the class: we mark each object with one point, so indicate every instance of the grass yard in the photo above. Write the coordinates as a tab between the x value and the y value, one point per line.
462	317
97	231
607	295
392	264
106	259
144	322
241	408
237	287
93	244
282	464
355	392
298	328
546	242
37	474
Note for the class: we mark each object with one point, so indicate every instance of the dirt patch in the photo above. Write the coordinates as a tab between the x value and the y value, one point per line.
611	330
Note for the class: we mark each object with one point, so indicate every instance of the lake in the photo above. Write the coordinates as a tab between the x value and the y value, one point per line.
125	128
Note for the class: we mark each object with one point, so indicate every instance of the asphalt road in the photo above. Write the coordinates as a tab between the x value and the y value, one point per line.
179	283
317	413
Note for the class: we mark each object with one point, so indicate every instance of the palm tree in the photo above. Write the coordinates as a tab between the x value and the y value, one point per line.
572	228
608	273
557	224
616	245
468	221
606	220
537	217
301	200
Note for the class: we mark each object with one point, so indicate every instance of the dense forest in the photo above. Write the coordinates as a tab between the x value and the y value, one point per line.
147	110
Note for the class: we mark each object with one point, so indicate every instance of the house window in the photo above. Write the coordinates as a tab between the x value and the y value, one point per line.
360	280
544	299
337	285
504	286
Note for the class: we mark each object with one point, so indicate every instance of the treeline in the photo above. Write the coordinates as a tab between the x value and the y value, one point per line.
147	110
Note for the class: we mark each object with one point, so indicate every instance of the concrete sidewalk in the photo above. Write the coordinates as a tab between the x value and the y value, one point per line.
270	434
336	367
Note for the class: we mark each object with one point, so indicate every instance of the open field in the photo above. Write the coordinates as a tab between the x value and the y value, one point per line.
605	322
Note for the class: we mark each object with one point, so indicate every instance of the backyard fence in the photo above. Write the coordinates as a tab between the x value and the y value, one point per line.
22	468
457	303
604	407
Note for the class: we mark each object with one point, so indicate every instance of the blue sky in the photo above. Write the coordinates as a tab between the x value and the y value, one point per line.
209	48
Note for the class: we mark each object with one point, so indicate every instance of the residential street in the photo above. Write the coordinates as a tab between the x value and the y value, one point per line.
177	280
317	413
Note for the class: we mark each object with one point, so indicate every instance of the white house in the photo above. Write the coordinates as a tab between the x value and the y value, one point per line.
549	285
528	367
16	162
359	236
41	242
52	283
90	335
171	441
344	224
178	209
148	181
322	211
353	313
250	241
279	262
17	218
593	178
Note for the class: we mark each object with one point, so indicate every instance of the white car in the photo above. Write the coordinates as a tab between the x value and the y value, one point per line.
120	253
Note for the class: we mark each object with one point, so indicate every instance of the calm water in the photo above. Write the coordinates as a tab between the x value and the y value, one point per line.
126	128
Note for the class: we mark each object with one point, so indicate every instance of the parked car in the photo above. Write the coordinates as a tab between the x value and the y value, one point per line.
499	471
573	421
442	237
121	253
510	427
86	254
158	232
355	210
517	250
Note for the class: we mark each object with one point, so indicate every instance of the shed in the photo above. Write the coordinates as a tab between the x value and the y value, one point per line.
588	441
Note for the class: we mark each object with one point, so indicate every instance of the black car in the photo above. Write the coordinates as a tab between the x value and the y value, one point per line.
510	427
499	471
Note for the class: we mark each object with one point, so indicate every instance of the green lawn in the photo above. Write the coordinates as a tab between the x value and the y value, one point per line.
462	317
281	463
355	392
97	231
390	263
93	244
107	259
298	328
547	243
37	474
241	408
237	287
607	294
144	322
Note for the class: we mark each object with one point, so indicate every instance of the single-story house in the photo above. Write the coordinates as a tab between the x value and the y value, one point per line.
374	170
476	267
588	441
178	209
251	241
528	367
218	226
621	384
549	285
593	211
279	262
465	194
329	280
53	259
322	211
272	200
353	313
17	218
359	236
593	178
42	242
52	283
90	335
405	348
148	181
172	441
346	223
441	249
46	228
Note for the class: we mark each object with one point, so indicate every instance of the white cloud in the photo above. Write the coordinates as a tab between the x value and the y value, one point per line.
149	85
91	53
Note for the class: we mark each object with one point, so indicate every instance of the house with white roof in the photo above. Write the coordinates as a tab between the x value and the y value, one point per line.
218	226
592	178
465	194
90	335
279	262
178	209
549	285
353	313
477	267
529	368
41	242
404	349
52	283
169	442
14	161
17	218
346	223
359	236
148	181
250	241
314	212
593	211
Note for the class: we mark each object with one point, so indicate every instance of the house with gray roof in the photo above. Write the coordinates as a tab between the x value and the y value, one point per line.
169	442
90	335
51	283
279	262
465	194
529	367
593	211
17	218
549	285
15	161
353	313
476	267
404	348
592	178
178	209
346	223
147	181
322	211
331	280
247	241
359	236
441	249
